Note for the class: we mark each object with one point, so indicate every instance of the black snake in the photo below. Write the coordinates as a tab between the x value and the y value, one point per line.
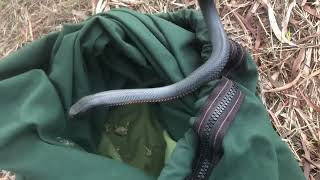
210	70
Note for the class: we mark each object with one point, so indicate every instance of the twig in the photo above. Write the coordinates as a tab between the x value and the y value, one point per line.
312	162
315	73
287	86
306	166
297	62
311	11
302	40
309	102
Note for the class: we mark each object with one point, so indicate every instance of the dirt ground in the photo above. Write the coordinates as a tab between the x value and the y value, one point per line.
282	35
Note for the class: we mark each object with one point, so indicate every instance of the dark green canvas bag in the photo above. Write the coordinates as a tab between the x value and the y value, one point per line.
125	49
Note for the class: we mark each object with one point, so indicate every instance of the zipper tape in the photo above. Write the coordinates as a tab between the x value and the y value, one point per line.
211	125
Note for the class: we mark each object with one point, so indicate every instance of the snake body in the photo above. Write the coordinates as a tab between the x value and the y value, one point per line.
210	70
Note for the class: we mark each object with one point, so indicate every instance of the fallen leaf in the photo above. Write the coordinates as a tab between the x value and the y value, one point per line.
79	14
285	21
102	6
275	27
98	7
258	38
294	22
303	40
311	11
240	20
308	60
273	79
237	5
254	8
243	22
309	102
287	86
275	120
297	62
275	76
94	5
130	1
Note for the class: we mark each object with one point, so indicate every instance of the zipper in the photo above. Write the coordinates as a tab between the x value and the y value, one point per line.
237	57
211	125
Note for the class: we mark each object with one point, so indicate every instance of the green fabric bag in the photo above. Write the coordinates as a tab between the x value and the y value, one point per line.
126	49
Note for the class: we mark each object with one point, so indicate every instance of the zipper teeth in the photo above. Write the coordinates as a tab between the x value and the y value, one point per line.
223	104
205	157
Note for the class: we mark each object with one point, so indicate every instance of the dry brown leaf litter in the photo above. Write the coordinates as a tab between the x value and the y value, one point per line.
282	35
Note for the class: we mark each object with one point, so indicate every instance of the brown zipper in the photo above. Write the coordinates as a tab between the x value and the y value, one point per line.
212	123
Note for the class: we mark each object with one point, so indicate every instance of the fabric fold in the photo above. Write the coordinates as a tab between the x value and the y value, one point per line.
119	50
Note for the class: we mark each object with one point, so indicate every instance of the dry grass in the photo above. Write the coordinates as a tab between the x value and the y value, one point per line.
287	53
5	175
